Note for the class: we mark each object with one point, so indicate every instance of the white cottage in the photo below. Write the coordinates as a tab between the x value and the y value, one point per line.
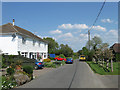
15	40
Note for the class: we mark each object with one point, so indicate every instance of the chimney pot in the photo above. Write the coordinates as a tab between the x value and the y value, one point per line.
13	22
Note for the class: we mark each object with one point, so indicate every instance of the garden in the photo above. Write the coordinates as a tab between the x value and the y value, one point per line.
19	70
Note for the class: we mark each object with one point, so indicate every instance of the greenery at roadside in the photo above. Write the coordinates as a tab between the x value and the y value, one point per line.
54	64
103	70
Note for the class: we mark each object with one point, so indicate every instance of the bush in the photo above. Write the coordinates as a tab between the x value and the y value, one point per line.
8	83
49	64
62	55
117	56
10	71
51	58
46	60
90	55
4	65
28	69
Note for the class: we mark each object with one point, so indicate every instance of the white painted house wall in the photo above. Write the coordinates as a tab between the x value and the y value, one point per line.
11	46
28	47
8	44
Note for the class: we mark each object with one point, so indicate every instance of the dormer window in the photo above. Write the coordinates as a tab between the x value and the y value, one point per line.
23	40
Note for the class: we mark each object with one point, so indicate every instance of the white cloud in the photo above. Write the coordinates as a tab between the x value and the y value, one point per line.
99	28
65	35
106	20
56	32
97	35
73	26
83	36
113	32
68	35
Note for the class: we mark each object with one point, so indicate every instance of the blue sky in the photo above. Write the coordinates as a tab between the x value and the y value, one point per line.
67	23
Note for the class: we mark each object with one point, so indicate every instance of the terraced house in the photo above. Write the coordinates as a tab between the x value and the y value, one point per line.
15	40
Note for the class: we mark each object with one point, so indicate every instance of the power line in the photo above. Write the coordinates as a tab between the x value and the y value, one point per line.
98	14
95	22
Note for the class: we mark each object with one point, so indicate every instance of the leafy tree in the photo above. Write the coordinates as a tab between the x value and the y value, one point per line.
79	52
66	50
62	55
52	45
94	43
85	51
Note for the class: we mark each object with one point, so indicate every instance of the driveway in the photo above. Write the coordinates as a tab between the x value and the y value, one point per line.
77	75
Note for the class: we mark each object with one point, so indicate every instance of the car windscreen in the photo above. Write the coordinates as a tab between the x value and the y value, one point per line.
82	56
69	58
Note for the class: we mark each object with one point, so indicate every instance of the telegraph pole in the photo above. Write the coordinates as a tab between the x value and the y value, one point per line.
89	40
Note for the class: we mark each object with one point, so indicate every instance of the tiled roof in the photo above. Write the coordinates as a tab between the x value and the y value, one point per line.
116	47
9	28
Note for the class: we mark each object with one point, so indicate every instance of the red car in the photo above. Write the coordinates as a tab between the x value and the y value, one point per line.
60	59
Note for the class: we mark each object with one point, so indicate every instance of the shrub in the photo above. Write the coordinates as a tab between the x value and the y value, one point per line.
4	65
117	56
49	64
8	83
28	69
51	58
46	60
10	71
62	55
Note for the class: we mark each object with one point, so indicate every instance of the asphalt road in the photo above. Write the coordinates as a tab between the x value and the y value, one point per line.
76	75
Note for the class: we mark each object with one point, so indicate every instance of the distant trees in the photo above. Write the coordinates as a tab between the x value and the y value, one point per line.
54	47
66	50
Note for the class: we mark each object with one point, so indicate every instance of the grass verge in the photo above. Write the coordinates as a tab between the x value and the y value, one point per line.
102	70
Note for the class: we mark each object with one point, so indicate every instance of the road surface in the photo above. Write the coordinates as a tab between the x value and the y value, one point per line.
76	75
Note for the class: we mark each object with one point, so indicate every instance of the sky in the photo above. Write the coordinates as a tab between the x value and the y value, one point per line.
66	22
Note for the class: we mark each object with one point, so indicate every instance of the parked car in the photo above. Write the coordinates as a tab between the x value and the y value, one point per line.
82	58
60	59
69	60
38	64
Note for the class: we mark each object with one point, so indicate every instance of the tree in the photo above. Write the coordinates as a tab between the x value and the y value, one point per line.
94	43
79	52
85	51
66	50
52	45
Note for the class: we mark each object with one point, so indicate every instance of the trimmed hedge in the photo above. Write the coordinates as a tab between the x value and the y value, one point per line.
117	56
7	59
28	69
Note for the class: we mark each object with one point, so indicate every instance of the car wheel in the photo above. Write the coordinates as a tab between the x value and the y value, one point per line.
36	67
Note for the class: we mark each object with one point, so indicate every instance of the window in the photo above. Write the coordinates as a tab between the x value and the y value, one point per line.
39	44
23	40
24	54
34	42
45	55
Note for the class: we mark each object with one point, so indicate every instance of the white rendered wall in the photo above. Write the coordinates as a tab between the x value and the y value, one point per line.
8	44
29	47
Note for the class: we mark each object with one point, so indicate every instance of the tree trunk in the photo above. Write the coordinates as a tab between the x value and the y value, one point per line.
107	64
111	65
103	62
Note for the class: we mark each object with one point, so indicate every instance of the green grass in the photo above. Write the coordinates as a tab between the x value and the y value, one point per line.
102	70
